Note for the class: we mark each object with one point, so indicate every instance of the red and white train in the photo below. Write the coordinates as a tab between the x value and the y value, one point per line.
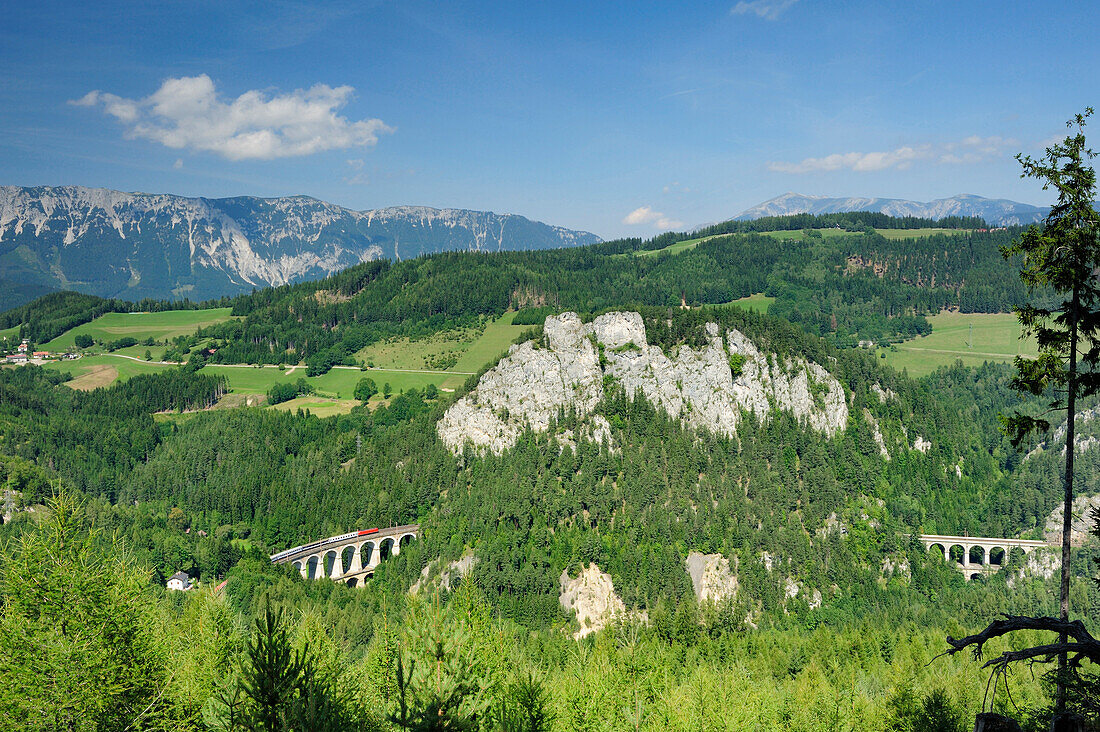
321	543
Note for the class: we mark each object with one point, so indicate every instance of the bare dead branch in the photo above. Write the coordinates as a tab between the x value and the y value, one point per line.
1083	647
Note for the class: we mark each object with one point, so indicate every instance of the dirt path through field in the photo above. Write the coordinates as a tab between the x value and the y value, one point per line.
97	376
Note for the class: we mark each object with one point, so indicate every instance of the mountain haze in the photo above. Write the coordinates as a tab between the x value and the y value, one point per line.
996	211
137	245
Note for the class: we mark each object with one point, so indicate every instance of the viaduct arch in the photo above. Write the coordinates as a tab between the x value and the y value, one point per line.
348	558
981	556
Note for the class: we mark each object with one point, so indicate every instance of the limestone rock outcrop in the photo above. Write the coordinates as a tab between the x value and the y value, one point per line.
592	597
448	577
711	577
710	387
1081	521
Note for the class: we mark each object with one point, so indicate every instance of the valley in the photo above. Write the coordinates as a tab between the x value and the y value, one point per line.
463	367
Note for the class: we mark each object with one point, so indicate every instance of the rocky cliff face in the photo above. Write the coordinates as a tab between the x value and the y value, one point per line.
711	577
592	597
710	387
1081	521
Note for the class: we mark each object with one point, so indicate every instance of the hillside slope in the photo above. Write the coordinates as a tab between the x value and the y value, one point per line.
137	245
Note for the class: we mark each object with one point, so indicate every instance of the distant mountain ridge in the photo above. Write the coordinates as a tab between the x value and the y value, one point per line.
136	245
996	211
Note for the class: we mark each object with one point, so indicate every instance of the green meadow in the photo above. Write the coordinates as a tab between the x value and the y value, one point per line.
677	248
158	326
915	233
792	235
468	349
91	372
758	302
318	406
338	384
973	338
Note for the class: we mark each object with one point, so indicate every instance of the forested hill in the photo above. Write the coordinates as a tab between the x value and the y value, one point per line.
829	510
846	288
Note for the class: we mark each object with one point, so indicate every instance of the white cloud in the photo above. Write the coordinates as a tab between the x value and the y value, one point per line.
125	110
178	164
646	216
766	9
187	113
975	149
1050	141
971	149
358	178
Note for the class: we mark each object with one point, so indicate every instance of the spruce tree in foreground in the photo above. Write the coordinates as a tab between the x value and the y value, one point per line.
1061	257
79	648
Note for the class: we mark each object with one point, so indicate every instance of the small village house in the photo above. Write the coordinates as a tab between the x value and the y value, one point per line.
180	581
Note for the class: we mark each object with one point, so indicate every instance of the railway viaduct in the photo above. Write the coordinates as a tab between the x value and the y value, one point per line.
980	556
349	558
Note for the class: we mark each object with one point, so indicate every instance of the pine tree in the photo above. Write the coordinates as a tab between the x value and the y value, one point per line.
1061	257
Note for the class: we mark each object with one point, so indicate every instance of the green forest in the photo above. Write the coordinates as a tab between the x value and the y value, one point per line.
838	614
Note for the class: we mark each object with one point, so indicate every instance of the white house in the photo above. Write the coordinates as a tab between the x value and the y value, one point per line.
179	581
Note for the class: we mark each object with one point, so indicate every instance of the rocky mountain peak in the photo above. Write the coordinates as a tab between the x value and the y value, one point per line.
709	387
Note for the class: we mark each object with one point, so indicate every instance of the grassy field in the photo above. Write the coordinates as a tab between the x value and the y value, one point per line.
677	248
887	233
92	371
158	326
799	235
336	384
468	349
996	337
915	233
758	302
425	353
492	342
10	334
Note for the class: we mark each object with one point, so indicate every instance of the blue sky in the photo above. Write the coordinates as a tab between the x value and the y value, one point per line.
616	118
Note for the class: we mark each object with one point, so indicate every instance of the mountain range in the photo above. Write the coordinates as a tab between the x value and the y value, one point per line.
137	245
996	211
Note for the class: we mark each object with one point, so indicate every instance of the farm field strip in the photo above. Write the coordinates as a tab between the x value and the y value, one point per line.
159	326
245	379
758	302
318	406
492	342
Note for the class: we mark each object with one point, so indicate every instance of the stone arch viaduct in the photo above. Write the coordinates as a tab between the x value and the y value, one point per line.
981	556
349	558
